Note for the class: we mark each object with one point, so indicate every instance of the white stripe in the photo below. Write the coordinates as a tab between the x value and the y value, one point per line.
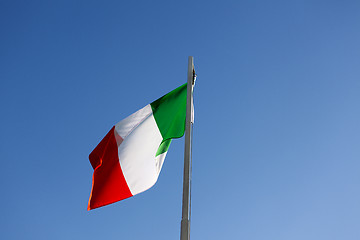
159	160
125	126
142	139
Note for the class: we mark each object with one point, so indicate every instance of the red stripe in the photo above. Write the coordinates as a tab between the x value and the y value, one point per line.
109	184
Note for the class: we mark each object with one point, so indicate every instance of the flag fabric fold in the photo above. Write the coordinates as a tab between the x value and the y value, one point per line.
129	158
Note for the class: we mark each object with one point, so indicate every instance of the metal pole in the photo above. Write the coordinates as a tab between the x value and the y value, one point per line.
185	221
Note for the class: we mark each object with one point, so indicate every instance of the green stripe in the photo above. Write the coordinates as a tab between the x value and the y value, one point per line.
164	146
170	114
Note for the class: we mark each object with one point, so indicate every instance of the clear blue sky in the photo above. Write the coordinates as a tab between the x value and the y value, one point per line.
276	151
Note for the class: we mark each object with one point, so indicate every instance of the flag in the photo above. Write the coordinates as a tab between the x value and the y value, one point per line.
129	158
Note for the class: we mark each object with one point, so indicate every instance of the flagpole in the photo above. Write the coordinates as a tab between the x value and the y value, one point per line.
186	204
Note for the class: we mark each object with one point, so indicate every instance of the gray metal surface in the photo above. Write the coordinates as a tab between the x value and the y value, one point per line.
185	221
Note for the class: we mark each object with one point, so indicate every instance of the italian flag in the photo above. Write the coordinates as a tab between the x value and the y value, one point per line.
129	158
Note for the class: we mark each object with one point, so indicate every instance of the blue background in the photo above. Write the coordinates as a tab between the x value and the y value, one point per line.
277	109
